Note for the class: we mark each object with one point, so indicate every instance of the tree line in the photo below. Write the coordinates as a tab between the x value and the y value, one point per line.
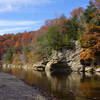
83	26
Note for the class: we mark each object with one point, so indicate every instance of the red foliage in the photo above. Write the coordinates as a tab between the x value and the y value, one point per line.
77	12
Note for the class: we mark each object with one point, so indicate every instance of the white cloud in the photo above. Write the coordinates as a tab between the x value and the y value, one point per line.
12	5
24	1
18	23
6	8
15	30
18	26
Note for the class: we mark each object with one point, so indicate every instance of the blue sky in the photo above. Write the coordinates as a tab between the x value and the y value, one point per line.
28	15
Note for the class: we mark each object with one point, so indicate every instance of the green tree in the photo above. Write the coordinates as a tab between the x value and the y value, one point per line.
27	49
44	48
72	29
54	39
9	54
57	39
89	13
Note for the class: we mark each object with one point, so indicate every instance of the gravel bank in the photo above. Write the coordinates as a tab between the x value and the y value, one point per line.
11	88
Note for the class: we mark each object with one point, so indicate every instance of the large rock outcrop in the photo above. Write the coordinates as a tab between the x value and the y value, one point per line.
55	65
65	59
73	57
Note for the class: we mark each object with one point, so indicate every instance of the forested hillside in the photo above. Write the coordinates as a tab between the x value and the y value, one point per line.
57	34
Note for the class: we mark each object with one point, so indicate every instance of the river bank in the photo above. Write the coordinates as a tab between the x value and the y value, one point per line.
11	88
73	86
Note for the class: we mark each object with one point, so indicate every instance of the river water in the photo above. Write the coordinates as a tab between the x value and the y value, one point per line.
74	86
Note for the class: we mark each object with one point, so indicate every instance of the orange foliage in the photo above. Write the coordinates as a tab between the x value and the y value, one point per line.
87	54
91	43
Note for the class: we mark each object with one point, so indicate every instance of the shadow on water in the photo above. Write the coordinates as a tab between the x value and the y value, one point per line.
65	86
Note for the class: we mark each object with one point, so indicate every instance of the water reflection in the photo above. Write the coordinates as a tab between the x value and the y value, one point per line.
59	86
73	86
90	86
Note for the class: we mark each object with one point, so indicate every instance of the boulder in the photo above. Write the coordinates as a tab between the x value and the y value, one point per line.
39	66
57	66
89	69
97	69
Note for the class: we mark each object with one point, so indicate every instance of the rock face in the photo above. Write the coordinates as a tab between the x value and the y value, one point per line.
57	66
67	59
57	62
73	58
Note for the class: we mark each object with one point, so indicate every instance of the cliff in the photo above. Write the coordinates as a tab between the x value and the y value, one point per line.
68	60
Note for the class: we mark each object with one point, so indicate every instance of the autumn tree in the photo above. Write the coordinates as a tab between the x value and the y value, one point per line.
91	45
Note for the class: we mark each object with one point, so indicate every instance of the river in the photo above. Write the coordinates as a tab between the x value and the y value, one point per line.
74	86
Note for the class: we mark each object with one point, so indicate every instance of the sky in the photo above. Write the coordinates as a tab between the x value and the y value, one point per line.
29	15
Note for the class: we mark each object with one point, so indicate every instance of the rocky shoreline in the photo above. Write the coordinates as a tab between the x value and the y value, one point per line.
66	60
11	88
